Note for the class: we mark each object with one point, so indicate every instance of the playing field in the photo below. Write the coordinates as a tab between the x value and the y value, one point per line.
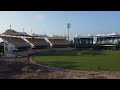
82	60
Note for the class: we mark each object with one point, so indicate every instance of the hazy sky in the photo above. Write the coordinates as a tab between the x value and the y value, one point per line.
54	22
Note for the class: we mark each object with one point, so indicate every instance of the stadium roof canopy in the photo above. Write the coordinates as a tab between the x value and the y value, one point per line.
83	36
58	36
23	34
12	32
37	35
115	34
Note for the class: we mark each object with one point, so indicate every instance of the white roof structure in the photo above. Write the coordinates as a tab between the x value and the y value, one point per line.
98	34
115	33
77	35
108	35
103	34
83	36
58	36
37	35
88	35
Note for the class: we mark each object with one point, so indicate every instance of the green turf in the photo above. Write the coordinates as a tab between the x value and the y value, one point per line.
82	60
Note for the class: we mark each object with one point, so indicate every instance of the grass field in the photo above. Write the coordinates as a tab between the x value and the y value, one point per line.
82	60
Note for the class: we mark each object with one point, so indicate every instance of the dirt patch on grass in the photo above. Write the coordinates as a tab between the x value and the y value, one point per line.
69	75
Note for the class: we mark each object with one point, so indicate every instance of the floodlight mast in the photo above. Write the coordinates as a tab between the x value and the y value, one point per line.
68	26
31	31
23	30
10	26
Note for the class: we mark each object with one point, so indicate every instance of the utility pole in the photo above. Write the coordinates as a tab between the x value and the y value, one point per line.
68	26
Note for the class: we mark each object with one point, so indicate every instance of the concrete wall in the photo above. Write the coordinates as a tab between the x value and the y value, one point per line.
8	47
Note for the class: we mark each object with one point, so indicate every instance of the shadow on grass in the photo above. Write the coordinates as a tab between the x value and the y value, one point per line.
93	53
78	53
61	54
76	66
63	65
75	53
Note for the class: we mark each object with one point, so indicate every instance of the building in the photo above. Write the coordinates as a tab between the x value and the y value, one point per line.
12	43
109	39
83	41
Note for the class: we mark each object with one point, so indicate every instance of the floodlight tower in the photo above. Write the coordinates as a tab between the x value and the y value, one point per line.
68	26
23	34
23	30
10	26
31	31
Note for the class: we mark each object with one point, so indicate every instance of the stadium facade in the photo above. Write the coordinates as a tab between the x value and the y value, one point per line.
110	39
83	41
21	42
103	41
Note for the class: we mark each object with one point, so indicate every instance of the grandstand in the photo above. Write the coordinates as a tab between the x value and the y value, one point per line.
1	47
37	42
110	39
21	43
58	41
107	41
13	43
83	40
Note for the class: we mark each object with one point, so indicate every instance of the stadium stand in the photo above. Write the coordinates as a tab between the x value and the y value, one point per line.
59	43
17	42
1	47
38	42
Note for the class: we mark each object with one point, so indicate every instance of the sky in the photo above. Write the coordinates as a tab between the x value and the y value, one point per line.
55	22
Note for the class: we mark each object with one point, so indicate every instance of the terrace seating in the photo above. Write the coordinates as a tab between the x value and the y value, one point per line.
38	41
59	42
18	42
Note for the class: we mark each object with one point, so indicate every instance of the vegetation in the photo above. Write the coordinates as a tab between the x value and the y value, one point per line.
82	60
